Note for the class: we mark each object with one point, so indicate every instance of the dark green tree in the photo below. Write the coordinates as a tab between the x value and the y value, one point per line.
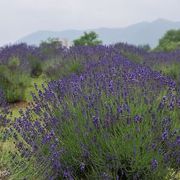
50	46
170	41
88	39
35	66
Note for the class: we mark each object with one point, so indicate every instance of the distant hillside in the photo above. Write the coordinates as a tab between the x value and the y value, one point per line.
140	33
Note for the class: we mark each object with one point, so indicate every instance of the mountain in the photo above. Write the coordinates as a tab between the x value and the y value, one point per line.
137	34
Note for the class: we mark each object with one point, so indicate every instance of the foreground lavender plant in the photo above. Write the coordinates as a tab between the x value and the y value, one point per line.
111	115
118	119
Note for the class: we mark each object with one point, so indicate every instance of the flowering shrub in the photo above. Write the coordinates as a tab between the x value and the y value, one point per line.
117	119
13	83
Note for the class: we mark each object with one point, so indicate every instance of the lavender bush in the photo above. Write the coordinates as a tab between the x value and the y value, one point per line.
13	83
118	119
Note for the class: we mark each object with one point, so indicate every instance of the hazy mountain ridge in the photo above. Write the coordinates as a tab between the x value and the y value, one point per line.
140	33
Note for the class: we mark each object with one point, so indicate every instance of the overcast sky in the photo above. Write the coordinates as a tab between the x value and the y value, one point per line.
21	17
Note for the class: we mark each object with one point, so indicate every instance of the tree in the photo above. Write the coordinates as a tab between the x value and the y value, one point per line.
170	41
88	39
51	46
36	66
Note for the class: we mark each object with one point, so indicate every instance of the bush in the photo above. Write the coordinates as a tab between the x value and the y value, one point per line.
170	41
88	39
63	69
13	84
110	122
35	66
51	47
13	63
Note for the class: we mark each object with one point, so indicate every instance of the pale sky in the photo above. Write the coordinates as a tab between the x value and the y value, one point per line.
21	17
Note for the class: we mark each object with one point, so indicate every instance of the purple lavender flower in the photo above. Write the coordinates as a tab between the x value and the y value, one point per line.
154	164
82	166
137	118
96	121
164	135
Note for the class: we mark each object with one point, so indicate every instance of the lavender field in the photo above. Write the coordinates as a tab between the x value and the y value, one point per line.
93	112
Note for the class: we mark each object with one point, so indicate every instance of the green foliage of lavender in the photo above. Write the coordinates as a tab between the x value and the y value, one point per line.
36	68
13	82
63	69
